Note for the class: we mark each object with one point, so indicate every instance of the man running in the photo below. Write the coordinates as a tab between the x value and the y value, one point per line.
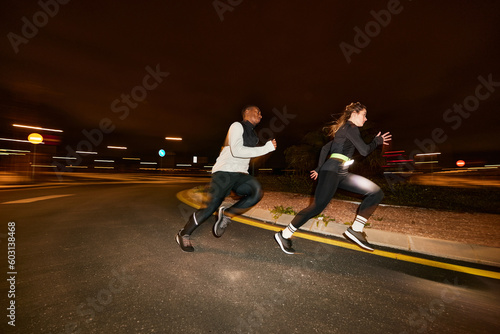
230	173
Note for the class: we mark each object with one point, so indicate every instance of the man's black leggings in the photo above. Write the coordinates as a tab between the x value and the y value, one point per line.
222	184
328	182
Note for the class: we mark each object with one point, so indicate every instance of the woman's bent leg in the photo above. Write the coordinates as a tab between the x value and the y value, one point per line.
325	189
372	193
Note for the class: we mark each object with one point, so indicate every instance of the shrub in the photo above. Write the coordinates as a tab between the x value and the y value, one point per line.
277	211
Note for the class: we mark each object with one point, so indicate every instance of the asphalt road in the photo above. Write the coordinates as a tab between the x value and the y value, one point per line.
103	259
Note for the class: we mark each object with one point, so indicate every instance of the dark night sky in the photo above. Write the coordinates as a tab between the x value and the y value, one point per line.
270	53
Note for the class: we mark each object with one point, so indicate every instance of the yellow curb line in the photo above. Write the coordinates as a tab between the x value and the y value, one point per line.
408	258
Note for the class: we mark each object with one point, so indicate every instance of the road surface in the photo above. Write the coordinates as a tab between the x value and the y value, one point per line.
101	258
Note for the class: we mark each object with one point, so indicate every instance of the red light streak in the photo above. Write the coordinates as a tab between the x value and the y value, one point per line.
399	160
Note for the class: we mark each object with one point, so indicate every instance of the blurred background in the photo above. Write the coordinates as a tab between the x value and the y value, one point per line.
152	87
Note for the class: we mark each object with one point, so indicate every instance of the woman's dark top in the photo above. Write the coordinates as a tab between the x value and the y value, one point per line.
346	139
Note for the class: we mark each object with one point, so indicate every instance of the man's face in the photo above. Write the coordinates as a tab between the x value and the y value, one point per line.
253	115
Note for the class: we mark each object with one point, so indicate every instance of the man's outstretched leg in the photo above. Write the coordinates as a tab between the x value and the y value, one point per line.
220	187
183	236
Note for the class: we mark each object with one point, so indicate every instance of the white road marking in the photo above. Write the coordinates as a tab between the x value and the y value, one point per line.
35	199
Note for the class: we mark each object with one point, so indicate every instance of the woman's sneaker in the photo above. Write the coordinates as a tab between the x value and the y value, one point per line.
359	238
285	244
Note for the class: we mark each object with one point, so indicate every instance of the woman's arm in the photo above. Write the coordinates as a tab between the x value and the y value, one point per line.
364	149
324	154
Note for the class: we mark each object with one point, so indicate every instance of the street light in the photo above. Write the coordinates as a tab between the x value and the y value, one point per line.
173	139
35	139
161	153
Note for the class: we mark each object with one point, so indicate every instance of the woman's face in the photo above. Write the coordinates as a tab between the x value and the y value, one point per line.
359	118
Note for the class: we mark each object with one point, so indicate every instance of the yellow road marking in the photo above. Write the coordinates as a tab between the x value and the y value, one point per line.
325	240
35	199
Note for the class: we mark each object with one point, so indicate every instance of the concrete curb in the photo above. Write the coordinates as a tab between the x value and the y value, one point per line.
415	244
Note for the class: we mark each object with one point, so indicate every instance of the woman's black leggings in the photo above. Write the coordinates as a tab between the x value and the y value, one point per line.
328	182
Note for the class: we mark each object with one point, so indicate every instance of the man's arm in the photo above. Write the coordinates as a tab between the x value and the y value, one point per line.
235	141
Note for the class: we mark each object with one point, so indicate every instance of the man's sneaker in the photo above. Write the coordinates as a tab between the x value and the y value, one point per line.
184	242
221	223
359	238
285	244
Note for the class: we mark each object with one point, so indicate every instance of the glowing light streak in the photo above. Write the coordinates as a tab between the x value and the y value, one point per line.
424	154
399	160
9	150
426	162
12	152
35	128
65	158
15	140
475	168
402	173
86	152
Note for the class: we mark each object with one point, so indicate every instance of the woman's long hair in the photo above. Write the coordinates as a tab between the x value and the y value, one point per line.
336	125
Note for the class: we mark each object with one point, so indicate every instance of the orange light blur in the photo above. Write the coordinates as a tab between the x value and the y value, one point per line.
35	138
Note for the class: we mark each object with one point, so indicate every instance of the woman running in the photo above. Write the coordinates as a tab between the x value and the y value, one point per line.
333	173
